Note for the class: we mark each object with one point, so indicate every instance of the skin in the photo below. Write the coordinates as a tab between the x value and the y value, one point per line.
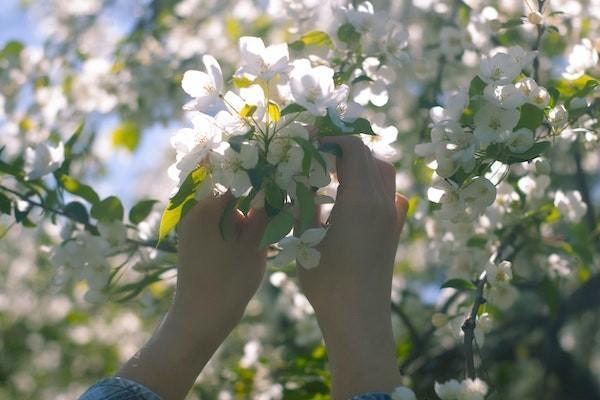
350	289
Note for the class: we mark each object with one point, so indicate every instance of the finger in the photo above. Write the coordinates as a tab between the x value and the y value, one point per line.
388	177
374	173
254	226
353	166
401	211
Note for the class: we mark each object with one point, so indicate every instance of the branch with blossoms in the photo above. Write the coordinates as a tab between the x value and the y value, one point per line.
260	141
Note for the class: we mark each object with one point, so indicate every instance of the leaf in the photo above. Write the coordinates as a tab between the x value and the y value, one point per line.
10	169
126	135
476	87
274	114
361	78
241	82
307	206
531	117
512	23
554	96
141	210
77	211
77	188
247	110
310	149
12	49
5	204
274	196
109	209
292	108
331	148
508	157
347	34
318	38
459	284
326	127
179	204
361	125
277	228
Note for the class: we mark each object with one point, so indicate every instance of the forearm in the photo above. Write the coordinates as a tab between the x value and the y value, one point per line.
361	353
171	360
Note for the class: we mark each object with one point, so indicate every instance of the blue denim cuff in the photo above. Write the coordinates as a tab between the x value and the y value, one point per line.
118	388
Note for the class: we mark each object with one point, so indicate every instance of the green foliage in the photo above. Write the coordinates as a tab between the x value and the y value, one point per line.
183	200
77	211
277	228
126	135
459	284
307	206
5	204
292	109
347	34
141	210
109	209
82	190
503	154
531	117
316	38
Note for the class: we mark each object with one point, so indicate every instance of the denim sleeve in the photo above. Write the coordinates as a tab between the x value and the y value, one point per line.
118	388
372	396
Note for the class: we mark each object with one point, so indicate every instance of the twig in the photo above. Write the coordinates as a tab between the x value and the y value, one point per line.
163	246
468	327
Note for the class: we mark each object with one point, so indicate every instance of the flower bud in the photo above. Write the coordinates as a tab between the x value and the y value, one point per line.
558	116
535	17
539	97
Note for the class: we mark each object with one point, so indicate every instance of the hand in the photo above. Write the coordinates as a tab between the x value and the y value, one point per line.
350	289
216	279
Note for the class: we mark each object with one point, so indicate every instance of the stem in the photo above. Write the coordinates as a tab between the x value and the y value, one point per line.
540	32
164	247
468	327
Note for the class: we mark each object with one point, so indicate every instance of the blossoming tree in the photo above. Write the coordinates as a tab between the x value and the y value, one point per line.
488	109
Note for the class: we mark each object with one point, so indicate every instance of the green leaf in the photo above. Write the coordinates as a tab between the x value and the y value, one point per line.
331	148
5	204
141	210
179	204
318	38
531	117
274	196
126	135
77	188
77	211
476	87
507	157
477	241
326	127
291	109
361	78
307	206
459	284
109	209
310	149
347	34
361	125
554	96
277	228
12	49
512	23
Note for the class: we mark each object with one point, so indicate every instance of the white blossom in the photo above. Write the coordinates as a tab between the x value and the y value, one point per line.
204	87
262	62
582	57
43	159
301	249
499	69
313	88
230	169
570	204
491	122
500	274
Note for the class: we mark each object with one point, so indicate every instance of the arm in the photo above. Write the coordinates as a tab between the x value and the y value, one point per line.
216	279
350	290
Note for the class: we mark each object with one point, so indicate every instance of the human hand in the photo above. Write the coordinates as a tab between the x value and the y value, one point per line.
216	279
350	289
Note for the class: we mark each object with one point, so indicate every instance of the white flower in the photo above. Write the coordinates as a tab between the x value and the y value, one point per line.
499	69
230	169
252	95
454	105
558	116
301	249
539	97
478	194
43	159
365	20
204	87
286	154
375	90
193	145
452	41
114	232
570	205
492	121
526	86
394	43
582	57
499	275
449	390
533	187
381	142
505	96
519	141
523	57
313	88
558	265
403	393
262	62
